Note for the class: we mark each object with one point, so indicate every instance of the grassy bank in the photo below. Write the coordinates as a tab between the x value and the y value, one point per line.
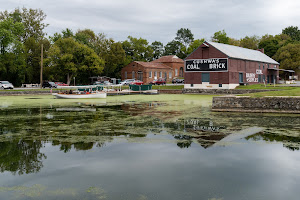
287	92
263	87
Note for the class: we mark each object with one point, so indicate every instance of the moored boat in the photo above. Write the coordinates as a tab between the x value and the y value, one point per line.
90	92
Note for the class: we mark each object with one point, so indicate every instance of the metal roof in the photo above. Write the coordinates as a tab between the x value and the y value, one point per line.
242	53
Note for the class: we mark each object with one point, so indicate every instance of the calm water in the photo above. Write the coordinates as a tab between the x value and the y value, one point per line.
145	147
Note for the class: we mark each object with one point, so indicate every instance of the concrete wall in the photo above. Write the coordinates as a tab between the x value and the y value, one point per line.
263	104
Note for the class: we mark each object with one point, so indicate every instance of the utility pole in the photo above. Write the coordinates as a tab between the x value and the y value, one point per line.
41	75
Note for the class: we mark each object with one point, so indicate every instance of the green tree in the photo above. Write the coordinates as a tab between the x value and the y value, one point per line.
234	42
293	32
11	51
158	49
175	48
289	56
64	34
137	49
194	45
32	37
271	43
250	42
220	37
32	19
32	48
70	58
185	37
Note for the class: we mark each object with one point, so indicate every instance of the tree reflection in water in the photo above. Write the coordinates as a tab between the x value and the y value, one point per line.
21	157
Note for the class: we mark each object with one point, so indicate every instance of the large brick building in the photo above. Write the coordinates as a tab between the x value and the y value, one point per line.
166	67
221	66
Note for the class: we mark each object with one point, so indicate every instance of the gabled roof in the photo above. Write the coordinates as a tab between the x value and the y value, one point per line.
168	59
242	53
153	65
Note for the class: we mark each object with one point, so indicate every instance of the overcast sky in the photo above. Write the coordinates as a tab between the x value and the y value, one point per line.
159	20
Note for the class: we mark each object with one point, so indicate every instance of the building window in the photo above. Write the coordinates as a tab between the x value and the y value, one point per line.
160	74
125	75
220	85
150	74
165	75
132	74
176	72
259	66
192	85
274	66
170	74
155	74
263	66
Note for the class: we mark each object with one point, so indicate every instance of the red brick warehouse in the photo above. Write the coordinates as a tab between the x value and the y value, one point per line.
166	67
222	66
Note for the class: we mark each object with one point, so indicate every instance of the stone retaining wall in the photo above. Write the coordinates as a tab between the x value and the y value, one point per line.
262	104
222	91
170	91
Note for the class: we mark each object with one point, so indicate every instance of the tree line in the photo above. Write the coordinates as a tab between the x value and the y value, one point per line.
84	53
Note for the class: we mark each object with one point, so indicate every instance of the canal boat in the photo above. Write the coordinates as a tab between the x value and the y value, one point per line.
80	92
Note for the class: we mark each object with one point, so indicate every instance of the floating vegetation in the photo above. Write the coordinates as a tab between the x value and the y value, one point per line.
38	191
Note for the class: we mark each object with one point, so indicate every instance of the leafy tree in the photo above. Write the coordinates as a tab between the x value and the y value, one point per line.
87	37
137	49
289	56
220	37
65	34
293	32
250	42
158	49
11	51
175	48
271	43
234	42
32	50
70	58
194	45
32	19
184	36
31	38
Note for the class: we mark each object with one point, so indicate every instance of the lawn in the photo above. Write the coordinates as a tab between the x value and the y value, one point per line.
291	91
263	87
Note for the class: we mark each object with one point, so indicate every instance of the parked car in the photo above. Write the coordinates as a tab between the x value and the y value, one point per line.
49	84
61	84
6	85
158	82
177	80
137	82
107	83
127	81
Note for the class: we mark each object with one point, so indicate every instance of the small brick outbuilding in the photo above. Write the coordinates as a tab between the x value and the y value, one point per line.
222	66
166	67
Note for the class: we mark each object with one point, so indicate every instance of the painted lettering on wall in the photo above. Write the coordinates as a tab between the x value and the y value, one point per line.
259	71
250	77
211	65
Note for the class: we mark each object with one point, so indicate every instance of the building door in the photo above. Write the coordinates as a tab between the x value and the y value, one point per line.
241	78
181	72
140	76
205	77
